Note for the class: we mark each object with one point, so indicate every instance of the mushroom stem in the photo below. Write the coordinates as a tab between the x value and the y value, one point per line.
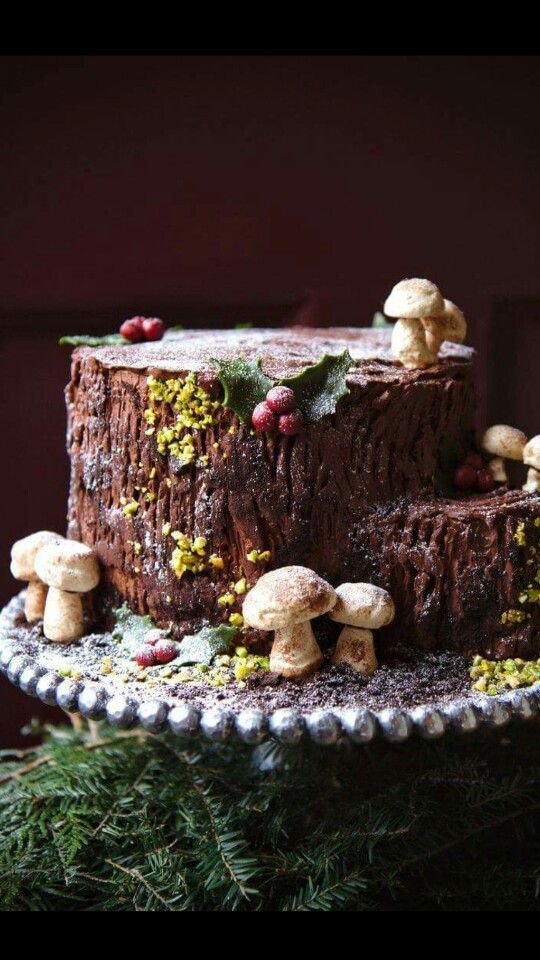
533	481
295	651
498	469
409	344
355	647
34	604
63	619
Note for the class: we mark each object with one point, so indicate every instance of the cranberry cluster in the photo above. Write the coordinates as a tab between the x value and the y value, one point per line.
142	328
472	474
156	649
278	412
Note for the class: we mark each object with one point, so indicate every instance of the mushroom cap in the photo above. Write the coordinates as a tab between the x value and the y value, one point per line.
531	452
451	326
68	565
363	605
504	441
287	596
23	554
414	298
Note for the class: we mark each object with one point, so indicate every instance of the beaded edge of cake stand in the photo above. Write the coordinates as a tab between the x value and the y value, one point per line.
253	726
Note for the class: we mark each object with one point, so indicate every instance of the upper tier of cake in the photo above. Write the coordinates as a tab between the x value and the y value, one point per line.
299	500
283	351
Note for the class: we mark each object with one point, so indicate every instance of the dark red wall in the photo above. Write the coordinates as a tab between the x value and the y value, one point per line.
215	185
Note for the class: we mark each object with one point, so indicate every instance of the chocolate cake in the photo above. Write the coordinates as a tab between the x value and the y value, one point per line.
355	496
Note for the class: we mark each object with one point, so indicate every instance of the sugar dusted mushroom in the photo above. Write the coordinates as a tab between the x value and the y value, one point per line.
531	452
531	457
533	481
413	299
498	470
355	647
450	327
69	569
409	344
23	559
363	607
504	441
284	601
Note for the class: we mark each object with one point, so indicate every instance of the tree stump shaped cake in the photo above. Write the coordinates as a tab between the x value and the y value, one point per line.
307	461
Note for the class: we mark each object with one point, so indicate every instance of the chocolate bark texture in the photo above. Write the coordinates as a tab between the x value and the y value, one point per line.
352	496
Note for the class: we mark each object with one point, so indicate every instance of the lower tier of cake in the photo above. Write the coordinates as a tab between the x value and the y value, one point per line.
464	574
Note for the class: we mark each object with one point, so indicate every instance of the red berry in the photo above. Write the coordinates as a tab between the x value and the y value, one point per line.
132	330
291	423
465	477
281	399
165	651
153	328
485	481
145	657
474	460
263	418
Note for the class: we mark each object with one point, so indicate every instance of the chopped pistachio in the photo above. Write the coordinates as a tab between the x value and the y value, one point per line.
131	508
226	600
188	554
106	665
492	676
519	535
258	556
193	407
236	620
216	562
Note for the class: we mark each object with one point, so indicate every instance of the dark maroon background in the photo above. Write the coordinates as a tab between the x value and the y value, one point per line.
220	189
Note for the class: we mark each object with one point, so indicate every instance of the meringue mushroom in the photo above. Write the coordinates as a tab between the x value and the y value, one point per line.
69	569
531	457
504	441
413	299
409	344
363	607
533	481
285	600
498	469
451	326
23	559
355	647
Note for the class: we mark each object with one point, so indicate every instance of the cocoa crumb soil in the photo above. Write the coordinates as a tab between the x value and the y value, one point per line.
407	677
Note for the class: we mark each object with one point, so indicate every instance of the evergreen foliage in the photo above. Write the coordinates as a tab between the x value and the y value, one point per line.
94	819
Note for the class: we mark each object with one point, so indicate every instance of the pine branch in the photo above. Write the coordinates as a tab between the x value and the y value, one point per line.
133	822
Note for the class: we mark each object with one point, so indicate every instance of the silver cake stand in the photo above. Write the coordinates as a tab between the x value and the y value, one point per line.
99	701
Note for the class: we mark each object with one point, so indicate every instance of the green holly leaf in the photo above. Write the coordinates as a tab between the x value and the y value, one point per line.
319	388
203	646
244	385
380	322
84	340
131	627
